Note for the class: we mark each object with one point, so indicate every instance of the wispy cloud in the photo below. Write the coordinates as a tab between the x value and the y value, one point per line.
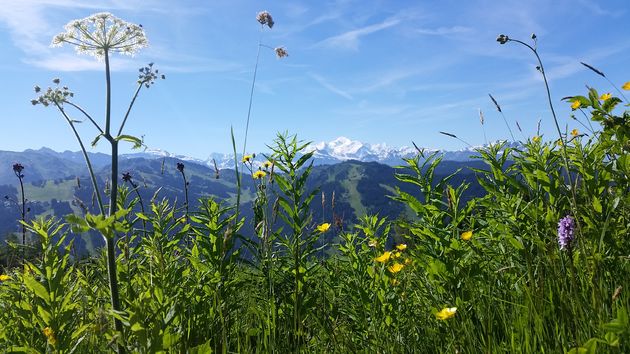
443	31
330	87
350	39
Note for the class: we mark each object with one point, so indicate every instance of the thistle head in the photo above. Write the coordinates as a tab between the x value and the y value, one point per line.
126	177
264	18
18	168
502	39
100	33
281	52
180	167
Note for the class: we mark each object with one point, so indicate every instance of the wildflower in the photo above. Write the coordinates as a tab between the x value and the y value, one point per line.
401	247
626	86
446	313
259	174
323	227
101	32
281	52
566	228
373	243
576	104
536	139
384	257
395	268
466	235
247	158
180	167
408	261
264	18
18	168
397	254
50	335
4	277
605	96
267	164
575	132
503	39
126	177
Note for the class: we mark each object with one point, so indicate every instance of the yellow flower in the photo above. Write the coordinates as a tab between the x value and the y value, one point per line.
408	261
446	313
536	139
605	96
401	247
384	257
247	158
467	235
267	164
323	227
397	254
396	267
576	104
259	174
559	142
4	277
626	86
575	132
50	335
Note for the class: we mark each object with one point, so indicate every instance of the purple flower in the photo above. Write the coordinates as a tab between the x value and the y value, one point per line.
566	228
180	167
126	177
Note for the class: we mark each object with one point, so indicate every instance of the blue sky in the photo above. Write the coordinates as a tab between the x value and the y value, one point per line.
375	71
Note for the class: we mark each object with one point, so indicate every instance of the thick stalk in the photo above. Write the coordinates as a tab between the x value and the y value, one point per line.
23	216
133	100
111	250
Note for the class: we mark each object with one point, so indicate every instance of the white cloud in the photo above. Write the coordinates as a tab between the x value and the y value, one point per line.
443	31
350	39
327	85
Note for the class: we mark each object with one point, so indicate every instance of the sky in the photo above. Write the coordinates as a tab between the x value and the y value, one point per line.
376	71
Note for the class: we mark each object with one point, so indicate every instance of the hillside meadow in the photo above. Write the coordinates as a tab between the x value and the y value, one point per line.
539	262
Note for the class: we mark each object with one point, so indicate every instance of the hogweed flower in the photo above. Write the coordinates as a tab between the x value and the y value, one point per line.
446	313
148	75
566	229
55	96
100	33
264	18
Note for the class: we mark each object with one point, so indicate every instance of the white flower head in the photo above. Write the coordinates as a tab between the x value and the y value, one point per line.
101	32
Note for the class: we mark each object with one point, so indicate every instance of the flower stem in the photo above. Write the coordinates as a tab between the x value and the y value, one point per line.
251	93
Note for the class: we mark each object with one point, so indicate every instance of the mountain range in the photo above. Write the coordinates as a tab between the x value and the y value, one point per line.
360	176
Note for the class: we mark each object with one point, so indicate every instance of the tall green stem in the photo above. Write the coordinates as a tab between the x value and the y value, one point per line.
111	250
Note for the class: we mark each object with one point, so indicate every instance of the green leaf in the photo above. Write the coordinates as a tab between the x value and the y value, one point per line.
137	142
95	141
37	288
597	205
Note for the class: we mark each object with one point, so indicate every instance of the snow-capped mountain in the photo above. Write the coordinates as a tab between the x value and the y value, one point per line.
326	153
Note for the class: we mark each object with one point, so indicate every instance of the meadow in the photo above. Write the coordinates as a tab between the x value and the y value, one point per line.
539	264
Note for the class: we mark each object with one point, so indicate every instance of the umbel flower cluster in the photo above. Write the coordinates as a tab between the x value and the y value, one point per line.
100	33
57	95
